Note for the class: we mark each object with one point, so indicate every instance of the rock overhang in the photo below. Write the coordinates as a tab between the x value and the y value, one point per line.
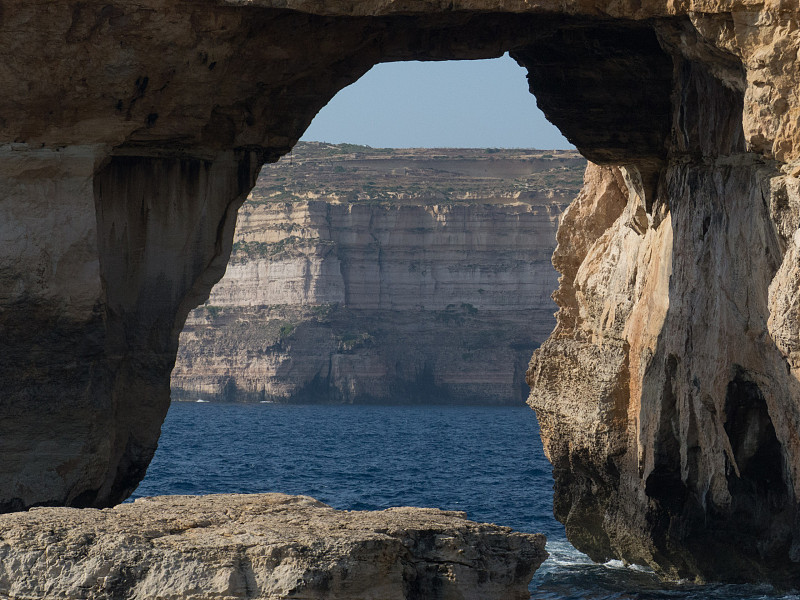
193	79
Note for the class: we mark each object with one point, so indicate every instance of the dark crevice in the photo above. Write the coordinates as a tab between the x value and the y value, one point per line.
664	485
756	449
757	522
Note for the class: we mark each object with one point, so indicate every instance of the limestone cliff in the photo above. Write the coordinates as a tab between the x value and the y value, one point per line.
263	547
397	276
668	396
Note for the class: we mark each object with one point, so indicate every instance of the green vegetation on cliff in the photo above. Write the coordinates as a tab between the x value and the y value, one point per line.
351	173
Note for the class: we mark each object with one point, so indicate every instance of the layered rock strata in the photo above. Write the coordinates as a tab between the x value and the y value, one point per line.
669	393
261	546
397	276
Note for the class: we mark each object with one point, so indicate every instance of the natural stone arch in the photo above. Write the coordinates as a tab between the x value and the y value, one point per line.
123	169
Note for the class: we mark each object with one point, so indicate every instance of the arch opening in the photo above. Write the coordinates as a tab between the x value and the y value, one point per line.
379	275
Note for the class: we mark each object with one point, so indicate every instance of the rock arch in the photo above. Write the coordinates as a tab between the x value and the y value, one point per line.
132	133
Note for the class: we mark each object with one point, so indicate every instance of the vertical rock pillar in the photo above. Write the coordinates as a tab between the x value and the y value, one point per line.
667	395
102	260
53	412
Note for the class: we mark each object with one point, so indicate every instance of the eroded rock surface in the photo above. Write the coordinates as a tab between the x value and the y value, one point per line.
263	546
669	393
130	135
666	394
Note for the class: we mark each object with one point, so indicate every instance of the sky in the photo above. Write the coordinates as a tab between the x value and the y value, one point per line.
454	104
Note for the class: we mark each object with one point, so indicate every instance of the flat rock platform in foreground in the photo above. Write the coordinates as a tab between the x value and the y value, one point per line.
264	546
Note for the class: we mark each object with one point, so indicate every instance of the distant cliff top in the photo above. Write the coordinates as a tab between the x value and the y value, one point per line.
349	173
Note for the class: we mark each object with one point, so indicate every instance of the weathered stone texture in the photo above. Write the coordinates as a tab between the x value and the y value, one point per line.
675	442
123	167
669	394
378	303
261	546
92	310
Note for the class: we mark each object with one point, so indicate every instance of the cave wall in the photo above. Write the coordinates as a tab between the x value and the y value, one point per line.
668	392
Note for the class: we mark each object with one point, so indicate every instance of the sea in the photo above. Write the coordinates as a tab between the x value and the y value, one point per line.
485	461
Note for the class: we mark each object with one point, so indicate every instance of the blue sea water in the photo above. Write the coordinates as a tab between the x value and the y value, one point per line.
486	461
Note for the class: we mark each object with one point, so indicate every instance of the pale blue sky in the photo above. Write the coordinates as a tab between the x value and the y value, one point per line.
466	104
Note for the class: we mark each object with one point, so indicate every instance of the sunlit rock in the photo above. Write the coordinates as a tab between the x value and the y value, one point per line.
262	546
375	275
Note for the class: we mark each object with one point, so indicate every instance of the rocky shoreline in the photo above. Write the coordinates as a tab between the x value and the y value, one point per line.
261	546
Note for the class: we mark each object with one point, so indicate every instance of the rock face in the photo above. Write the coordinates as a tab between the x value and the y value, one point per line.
668	394
399	276
90	309
261	546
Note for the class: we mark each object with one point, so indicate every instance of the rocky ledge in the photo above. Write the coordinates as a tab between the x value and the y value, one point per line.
266	546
